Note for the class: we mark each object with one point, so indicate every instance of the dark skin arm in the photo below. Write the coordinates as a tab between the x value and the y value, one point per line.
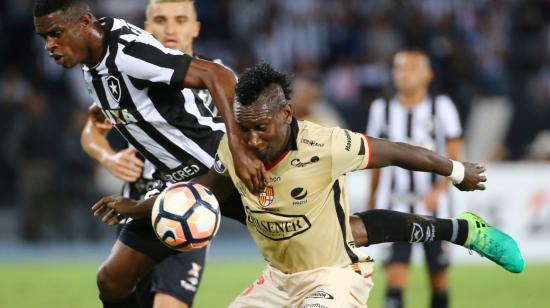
454	147
113	208
221	82
386	153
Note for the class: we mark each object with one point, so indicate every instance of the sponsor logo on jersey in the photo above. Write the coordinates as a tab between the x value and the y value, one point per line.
266	197
183	173
296	162
277	226
299	195
348	140
113	84
119	116
312	143
320	294
218	165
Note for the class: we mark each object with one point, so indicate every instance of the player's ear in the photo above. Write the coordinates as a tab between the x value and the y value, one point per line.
287	112
197	29
146	26
429	75
86	20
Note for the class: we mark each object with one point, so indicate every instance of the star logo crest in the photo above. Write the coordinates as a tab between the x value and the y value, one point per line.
113	84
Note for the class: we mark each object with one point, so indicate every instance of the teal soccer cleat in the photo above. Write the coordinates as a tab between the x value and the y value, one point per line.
492	243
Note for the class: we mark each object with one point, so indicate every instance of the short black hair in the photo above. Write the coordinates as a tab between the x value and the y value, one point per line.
45	7
416	50
256	79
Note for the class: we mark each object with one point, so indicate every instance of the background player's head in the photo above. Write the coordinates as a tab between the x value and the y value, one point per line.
263	111
67	28
174	23
306	95
411	71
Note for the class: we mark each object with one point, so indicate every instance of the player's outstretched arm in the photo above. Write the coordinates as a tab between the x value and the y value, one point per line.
221	82
93	139
111	208
466	176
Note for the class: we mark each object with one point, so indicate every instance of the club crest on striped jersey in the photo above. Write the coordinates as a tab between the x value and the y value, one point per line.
266	197
113	84
218	165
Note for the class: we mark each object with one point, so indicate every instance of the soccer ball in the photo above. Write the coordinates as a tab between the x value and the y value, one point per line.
186	216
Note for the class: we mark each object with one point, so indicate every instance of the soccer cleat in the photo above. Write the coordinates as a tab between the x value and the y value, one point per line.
492	243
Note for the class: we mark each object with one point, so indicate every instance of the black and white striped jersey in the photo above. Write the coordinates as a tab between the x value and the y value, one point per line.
429	124
137	84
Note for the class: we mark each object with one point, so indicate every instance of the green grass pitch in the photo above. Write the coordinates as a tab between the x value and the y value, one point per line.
72	285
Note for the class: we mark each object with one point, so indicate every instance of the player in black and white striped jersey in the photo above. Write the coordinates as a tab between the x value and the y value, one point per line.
145	90
432	122
174	23
134	85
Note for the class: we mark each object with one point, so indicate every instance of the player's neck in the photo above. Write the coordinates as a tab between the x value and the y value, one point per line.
282	149
97	47
412	99
188	51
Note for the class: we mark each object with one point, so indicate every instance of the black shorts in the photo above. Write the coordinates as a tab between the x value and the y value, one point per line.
178	276
437	255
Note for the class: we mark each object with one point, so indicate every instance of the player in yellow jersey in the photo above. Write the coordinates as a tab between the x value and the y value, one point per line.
300	222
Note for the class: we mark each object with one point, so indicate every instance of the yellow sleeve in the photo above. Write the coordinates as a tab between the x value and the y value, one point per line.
349	151
223	158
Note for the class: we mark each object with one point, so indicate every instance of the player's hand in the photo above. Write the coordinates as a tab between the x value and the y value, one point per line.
249	169
111	209
98	118
125	165
473	177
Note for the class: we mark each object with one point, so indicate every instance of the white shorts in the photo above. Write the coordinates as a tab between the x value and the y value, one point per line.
324	287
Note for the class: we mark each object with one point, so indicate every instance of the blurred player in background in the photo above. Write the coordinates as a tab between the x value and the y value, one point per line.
308	104
416	117
175	280
146	91
300	221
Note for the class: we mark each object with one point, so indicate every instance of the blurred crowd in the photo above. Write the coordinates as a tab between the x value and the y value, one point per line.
491	56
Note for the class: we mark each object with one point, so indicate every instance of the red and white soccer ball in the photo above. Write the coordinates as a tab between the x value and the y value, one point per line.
186	216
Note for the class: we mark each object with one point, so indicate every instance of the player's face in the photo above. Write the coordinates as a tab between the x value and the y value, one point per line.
411	72
63	36
265	128
174	24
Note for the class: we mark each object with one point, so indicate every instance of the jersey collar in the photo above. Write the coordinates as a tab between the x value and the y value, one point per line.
292	144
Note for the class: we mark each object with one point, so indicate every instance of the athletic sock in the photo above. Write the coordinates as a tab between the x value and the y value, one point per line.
394	298
384	226
440	299
129	302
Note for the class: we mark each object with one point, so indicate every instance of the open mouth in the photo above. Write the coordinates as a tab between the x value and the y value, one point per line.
170	43
57	58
